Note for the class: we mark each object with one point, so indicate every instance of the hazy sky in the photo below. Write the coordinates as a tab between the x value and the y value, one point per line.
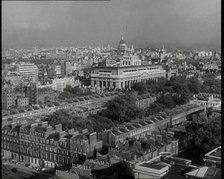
141	22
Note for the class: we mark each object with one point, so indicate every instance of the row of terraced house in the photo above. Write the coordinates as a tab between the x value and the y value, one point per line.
136	128
41	145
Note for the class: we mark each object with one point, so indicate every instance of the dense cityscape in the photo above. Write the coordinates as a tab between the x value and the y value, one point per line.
111	112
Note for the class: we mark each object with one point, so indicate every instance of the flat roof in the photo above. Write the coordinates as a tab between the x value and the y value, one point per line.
215	152
154	165
115	67
177	160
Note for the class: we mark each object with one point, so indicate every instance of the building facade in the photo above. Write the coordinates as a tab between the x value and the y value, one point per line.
8	97
123	69
60	84
125	76
28	71
10	141
22	101
31	92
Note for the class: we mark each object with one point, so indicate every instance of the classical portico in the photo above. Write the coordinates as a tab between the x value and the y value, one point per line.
125	77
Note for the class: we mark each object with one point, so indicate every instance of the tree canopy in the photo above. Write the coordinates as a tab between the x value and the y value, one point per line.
68	120
122	109
203	133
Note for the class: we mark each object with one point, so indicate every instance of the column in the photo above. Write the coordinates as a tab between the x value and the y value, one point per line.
97	83
92	82
125	84
118	85
114	85
108	84
111	85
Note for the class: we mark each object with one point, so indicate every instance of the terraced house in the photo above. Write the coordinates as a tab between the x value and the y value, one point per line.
134	129
33	142
10	141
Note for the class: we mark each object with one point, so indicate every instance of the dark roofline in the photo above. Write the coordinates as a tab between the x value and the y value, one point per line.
116	67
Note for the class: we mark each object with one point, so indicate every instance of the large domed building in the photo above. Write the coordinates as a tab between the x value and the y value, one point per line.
122	47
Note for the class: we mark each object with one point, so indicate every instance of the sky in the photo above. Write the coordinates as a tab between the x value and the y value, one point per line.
141	22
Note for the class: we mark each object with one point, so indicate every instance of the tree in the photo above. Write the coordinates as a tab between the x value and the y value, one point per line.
167	100
203	134
193	85
140	87
154	108
122	108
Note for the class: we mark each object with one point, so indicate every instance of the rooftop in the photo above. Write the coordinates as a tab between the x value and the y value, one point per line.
215	152
136	125
143	123
116	67
177	160
205	172
40	129
115	132
54	136
155	165
130	127
7	127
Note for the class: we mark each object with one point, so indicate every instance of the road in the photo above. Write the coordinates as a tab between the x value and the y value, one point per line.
88	103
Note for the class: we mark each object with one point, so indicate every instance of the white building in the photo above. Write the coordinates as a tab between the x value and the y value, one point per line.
60	84
123	70
153	169
125	76
28	71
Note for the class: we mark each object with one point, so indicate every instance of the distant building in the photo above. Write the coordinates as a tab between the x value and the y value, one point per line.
22	101
210	66
46	94
28	71
60	84
122	70
124	77
31	92
8	97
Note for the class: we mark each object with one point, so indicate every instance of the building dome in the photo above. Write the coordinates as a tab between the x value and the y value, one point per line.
122	47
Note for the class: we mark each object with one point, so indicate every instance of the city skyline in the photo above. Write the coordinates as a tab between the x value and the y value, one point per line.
144	23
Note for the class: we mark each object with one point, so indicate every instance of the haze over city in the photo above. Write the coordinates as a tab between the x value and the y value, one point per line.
142	23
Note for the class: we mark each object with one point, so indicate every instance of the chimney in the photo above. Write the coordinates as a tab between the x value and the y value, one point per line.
37	120
62	134
14	124
24	123
34	125
44	124
84	131
75	133
159	137
58	127
49	130
71	131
